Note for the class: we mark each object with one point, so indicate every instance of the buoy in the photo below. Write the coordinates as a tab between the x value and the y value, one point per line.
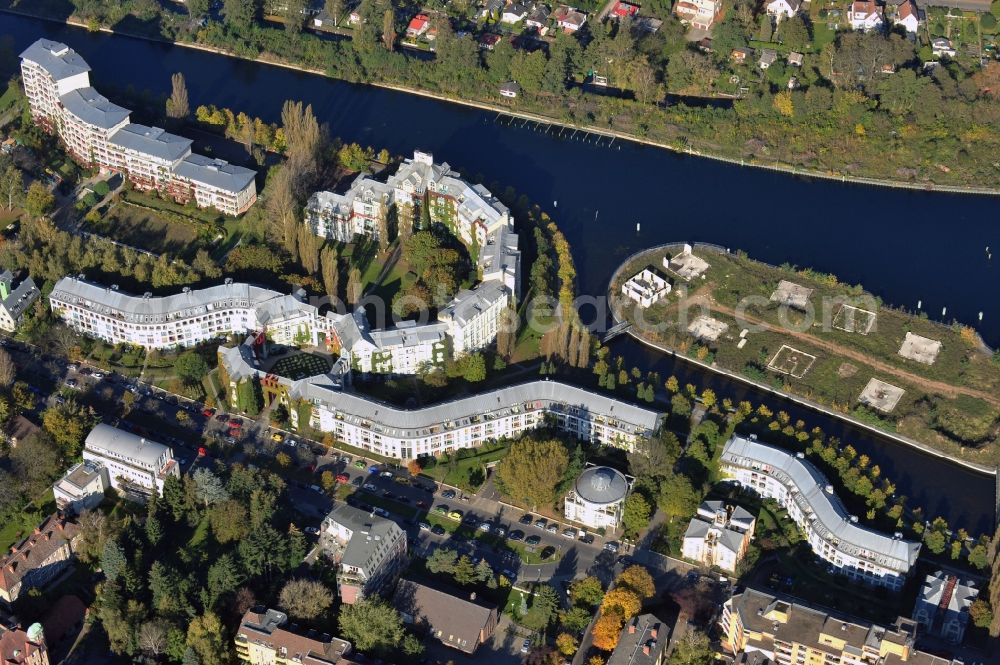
919	302
637	227
980	316
555	204
944	310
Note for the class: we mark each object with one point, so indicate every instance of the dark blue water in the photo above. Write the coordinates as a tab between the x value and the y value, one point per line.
904	246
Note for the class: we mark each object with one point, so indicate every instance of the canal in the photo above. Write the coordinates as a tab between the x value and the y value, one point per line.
611	201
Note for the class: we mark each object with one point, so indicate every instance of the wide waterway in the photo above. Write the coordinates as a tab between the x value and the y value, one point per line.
905	246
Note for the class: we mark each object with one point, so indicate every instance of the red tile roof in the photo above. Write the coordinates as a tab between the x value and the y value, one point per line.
48	537
16	642
625	9
418	22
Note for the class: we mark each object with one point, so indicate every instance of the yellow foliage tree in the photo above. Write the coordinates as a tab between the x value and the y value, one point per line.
607	628
783	104
638	580
621	600
566	644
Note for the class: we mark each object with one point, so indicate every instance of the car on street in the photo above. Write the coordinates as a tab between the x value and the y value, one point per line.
587	539
611	546
346	459
222	417
532	540
311	530
382	512
276	437
516	535
402	481
98	375
448	494
424	526
343	478
540	523
359	464
438	530
569	533
373	469
235	422
386	474
357	481
290	442
525	519
388	495
231	440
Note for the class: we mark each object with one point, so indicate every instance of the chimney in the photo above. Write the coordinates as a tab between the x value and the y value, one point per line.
631	627
652	631
645	648
472	596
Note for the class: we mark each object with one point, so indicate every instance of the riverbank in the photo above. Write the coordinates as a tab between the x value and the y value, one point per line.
822	367
507	110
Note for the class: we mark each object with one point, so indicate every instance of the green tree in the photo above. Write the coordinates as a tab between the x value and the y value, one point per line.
442	560
635	514
693	649
532	470
191	368
981	613
11	187
239	15
305	599
544	603
371	625
654	457
678	496
464	572
113	561
794	33
178	107
207	636
223	577
587	592
39	200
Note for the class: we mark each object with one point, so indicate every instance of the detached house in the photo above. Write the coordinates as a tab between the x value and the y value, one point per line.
418	26
459	623
568	18
718	535
699	14
907	16
783	8
539	19
624	9
865	15
514	13
38	559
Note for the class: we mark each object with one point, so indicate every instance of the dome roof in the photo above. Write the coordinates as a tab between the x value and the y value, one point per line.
601	485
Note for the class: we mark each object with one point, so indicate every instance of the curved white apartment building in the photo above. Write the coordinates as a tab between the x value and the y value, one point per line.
860	553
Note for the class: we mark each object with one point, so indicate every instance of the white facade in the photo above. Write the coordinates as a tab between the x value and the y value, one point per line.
907	16
597	498
82	487
718	536
862	554
783	8
131	462
699	14
185	319
99	133
865	15
15	301
646	288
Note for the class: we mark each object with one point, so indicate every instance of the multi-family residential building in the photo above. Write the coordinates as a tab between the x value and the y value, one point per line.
865	15
20	647
942	608
187	318
862	554
460	623
643	641
82	487
597	498
99	133
699	14
134	465
475	317
718	535
15	300
786	631
369	551
39	558
266	638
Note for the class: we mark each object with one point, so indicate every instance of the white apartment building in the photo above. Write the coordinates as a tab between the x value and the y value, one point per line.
98	133
699	14
474	317
15	300
133	464
187	318
646	287
718	535
862	554
369	551
597	498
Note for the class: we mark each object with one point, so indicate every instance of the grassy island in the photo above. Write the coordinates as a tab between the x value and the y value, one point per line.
807	334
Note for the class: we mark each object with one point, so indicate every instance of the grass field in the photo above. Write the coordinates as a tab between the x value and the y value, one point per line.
147	230
17	526
464	471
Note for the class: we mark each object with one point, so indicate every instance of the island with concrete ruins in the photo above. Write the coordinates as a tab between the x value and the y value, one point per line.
808	335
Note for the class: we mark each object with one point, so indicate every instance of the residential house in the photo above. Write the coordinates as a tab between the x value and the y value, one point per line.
539	19
489	40
457	622
738	55
780	9
865	15
907	16
718	535
568	18
15	300
369	551
419	25
643	641
20	647
647	25
942	608
82	487
941	46
266	638
768	56
515	12
510	89
795	59
699	14
622	9
39	558
491	8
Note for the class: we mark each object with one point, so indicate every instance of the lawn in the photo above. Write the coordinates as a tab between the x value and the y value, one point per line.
17	526
297	366
147	230
464	473
8	217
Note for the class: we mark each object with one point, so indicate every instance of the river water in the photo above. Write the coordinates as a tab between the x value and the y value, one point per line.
905	246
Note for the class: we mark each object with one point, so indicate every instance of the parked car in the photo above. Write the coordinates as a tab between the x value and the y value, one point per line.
485	527
207	412
455	514
424	526
98	375
236	422
316	488
525	519
500	530
448	494
311	530
359	464
516	535
370	487
552	528
71	368
509	574
402	480
611	546
569	533
346	459
231	440
386	474
587	539
441	508
438	530
381	511
357	481
526	646
373	469
343	478
540	523
222	417
532	540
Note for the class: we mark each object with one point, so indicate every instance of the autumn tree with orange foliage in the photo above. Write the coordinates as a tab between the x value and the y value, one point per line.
638	579
623	601
607	628
414	467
